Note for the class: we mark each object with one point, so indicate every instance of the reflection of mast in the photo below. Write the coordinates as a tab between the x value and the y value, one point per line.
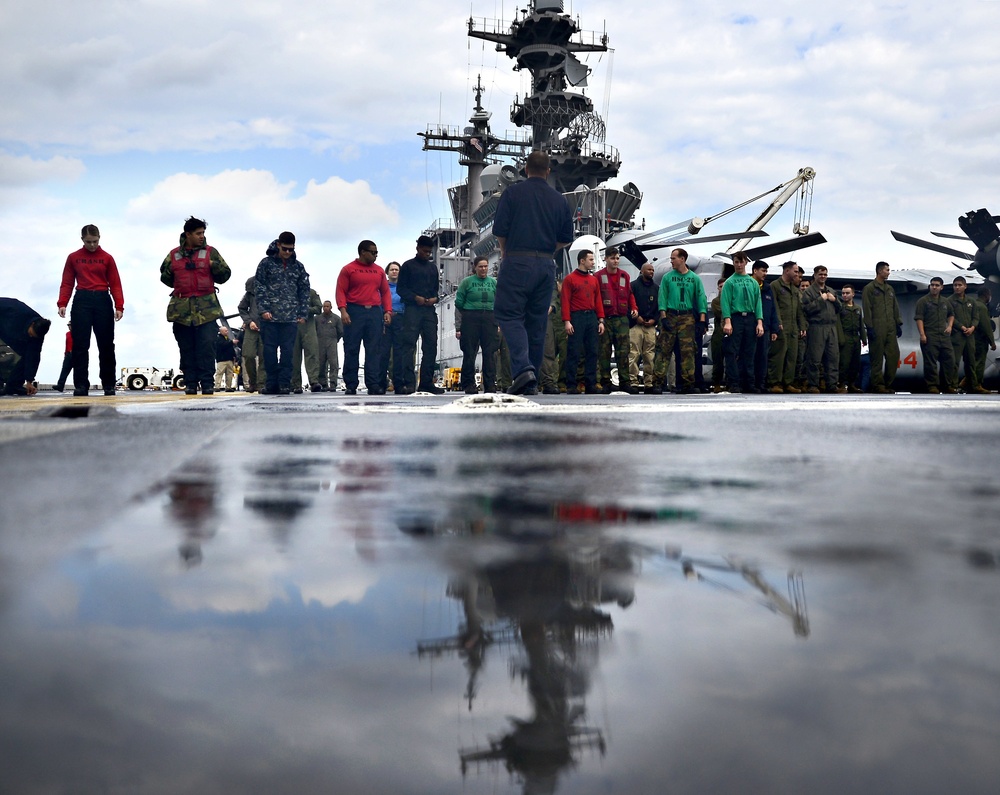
793	606
544	606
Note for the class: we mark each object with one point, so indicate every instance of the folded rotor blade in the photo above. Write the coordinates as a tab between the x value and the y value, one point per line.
690	241
784	246
953	237
915	241
674	228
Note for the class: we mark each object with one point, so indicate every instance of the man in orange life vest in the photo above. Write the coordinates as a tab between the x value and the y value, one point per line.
193	269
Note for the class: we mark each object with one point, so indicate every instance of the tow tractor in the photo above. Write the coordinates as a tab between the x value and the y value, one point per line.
139	378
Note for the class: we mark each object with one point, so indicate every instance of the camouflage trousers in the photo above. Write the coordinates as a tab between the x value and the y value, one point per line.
254	374
554	361
615	334
504	378
677	328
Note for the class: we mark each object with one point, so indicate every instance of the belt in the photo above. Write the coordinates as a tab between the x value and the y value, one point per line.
743	314
677	311
539	254
367	306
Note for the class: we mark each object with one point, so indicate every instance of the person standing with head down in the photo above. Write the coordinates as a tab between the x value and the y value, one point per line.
533	221
282	288
192	270
476	326
98	305
365	305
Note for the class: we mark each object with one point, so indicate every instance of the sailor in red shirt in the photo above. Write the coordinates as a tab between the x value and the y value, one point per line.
95	274
583	314
365	305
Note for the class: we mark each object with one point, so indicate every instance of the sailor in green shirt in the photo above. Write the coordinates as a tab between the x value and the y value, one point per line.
742	322
682	296
476	327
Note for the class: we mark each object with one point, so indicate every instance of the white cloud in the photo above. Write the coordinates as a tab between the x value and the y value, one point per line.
255	204
307	121
23	171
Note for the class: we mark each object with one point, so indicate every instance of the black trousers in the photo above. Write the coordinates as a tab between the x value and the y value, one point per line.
67	368
93	312
391	354
742	349
582	340
479	330
197	349
420	321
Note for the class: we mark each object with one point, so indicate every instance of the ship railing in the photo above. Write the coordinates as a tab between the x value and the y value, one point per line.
589	39
440	225
585	149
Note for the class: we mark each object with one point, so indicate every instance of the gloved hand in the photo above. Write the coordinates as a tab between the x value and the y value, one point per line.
663	323
899	330
871	332
701	326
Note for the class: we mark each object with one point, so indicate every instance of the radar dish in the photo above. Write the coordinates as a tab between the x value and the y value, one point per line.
588	127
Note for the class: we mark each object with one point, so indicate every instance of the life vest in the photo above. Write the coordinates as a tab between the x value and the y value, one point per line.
191	282
614	296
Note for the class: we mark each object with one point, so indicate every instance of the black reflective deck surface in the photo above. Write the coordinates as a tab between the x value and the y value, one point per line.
312	597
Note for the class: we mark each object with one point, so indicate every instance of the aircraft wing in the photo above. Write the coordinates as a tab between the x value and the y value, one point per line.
784	246
916	241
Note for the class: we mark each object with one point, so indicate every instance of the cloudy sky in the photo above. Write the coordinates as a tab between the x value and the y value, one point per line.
262	116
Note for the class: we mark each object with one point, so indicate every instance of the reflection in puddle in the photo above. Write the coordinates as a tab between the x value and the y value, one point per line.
302	618
539	604
192	506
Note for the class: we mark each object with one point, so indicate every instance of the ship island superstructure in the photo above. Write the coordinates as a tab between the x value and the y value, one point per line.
557	117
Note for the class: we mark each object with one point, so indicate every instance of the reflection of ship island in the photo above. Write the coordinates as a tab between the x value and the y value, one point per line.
545	43
540	603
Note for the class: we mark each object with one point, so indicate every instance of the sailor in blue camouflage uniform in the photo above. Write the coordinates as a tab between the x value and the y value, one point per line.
282	289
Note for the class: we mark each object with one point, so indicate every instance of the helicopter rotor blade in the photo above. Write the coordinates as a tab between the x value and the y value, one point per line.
784	246
690	241
916	241
952	237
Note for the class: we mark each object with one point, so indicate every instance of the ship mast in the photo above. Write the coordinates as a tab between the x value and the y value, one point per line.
544	41
476	146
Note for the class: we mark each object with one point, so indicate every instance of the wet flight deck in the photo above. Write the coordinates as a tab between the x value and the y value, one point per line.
324	594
